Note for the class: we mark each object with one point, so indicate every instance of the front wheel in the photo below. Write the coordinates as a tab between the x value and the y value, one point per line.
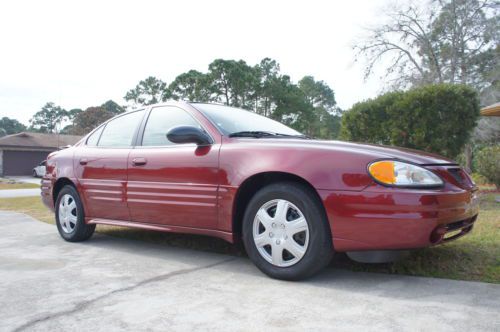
286	233
70	217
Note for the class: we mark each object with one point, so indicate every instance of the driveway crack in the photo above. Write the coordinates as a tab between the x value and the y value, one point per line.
85	304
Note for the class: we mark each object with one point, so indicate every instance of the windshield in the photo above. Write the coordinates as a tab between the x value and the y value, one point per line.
232	120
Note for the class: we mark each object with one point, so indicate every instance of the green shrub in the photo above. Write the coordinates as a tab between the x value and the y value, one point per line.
435	118
487	162
479	179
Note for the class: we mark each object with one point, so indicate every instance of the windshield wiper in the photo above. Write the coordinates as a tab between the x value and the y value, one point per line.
260	134
256	134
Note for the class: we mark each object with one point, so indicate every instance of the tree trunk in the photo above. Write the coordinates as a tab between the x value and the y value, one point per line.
468	157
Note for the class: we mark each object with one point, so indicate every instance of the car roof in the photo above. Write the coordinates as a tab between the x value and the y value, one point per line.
183	103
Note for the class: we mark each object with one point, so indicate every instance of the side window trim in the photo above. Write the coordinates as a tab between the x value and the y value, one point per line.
142	128
140	135
103	127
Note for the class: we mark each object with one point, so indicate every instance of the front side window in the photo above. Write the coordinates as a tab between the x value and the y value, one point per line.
120	131
161	120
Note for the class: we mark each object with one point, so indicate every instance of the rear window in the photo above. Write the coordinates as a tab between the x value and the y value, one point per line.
94	138
120	132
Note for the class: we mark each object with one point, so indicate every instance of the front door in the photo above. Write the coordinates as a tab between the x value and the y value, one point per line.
101	167
172	184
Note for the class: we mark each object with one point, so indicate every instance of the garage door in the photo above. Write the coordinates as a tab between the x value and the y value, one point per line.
21	162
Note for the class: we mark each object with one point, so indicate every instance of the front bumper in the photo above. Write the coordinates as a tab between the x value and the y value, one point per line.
380	218
46	192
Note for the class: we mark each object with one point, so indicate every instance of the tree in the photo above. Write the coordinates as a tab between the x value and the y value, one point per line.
149	91
443	41
232	82
72	113
89	119
321	99
291	108
112	107
191	86
47	119
309	106
268	78
465	32
10	126
487	131
488	67
67	130
435	118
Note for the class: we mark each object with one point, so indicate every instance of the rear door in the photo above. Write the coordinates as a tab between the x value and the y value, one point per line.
168	183
101	167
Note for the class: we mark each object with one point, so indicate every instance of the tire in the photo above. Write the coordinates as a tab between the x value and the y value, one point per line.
70	216
309	241
34	174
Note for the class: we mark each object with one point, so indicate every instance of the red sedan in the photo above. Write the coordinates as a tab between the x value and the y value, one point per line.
225	172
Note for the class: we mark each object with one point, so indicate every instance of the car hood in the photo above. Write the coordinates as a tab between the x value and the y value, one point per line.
372	150
411	155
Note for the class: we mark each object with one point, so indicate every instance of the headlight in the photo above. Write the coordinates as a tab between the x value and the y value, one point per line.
397	173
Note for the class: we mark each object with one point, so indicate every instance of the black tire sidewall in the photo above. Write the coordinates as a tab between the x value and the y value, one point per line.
319	250
81	230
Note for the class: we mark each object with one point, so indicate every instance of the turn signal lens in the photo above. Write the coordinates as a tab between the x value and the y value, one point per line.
383	171
397	173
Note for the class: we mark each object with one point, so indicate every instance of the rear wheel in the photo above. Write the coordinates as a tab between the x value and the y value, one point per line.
34	174
70	217
286	233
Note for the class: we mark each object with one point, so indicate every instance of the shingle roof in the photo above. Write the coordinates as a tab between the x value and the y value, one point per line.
38	141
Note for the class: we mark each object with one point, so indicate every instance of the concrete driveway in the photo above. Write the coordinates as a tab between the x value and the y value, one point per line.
109	284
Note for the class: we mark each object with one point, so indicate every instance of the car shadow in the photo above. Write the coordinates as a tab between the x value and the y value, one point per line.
200	243
179	248
215	245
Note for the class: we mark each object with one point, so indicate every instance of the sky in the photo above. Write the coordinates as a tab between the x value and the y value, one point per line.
82	53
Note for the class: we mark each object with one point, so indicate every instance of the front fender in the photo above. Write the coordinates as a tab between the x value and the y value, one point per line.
324	169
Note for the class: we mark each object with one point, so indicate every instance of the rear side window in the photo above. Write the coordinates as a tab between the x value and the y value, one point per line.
161	120
120	131
94	138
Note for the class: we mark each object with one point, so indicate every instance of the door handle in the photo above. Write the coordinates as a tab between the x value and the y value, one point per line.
83	161
139	161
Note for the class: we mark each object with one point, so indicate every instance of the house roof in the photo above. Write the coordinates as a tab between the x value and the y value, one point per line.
492	110
38	141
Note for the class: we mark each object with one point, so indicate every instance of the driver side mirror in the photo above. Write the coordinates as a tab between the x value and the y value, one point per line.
189	134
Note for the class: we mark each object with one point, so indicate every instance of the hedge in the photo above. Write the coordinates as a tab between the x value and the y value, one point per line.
435	118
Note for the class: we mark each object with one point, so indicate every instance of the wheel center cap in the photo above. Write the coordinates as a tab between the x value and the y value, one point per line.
279	232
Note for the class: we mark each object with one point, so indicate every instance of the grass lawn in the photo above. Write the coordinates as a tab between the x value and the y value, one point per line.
473	257
4	185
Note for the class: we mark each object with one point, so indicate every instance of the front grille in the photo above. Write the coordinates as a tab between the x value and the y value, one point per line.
452	231
461	224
